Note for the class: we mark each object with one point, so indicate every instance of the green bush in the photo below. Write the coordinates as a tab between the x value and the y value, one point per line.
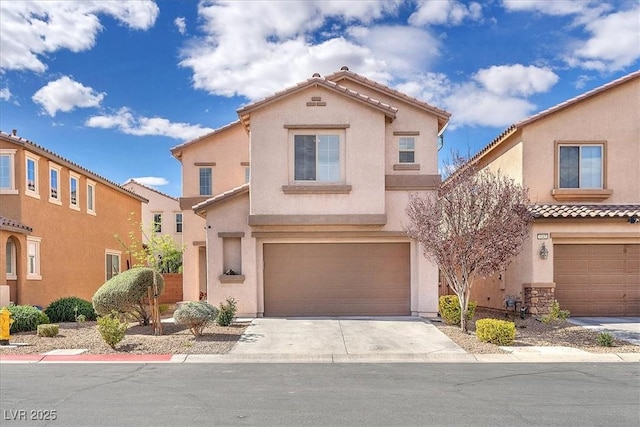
449	307
196	315
555	314
112	329
163	308
127	293
48	330
26	318
227	312
494	331
605	339
68	309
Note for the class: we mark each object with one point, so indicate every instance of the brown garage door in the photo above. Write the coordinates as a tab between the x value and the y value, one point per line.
598	280
327	279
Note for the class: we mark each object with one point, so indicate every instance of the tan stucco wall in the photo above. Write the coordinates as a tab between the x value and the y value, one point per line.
74	243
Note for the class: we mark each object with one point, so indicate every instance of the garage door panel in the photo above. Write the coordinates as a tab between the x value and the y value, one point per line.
336	279
597	280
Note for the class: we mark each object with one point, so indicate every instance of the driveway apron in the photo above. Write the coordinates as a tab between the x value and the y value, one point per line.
362	336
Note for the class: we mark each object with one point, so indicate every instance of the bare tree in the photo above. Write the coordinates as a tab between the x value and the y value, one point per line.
477	224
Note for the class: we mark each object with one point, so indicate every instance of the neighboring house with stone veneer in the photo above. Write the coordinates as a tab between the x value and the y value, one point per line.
581	163
319	230
57	225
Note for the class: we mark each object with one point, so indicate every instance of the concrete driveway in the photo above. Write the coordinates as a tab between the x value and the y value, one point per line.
344	336
625	328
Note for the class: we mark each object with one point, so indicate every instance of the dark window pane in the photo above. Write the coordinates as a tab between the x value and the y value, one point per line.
407	157
569	167
305	157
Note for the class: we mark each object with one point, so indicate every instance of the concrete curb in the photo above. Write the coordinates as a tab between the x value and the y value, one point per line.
325	358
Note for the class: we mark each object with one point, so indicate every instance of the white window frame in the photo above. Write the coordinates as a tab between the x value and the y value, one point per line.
33	250
11	154
111	253
58	199
341	155
11	265
29	157
406	150
76	177
91	197
181	222
200	169
156	226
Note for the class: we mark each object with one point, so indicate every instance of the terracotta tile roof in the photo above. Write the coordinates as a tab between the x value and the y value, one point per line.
30	145
150	189
387	109
13	225
542	114
344	74
585	211
176	150
218	198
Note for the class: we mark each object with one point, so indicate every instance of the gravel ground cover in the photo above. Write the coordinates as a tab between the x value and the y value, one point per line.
219	340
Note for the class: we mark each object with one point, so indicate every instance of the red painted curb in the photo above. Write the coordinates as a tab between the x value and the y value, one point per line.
88	358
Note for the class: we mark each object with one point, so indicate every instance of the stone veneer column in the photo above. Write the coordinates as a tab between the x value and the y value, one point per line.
539	297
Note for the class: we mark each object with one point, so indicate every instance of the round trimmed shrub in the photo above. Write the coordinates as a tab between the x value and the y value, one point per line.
127	292
64	310
26	318
449	308
495	331
196	315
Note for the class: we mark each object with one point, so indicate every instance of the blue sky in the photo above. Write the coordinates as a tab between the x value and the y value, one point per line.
113	85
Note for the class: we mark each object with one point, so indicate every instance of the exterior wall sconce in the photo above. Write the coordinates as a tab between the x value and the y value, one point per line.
544	252
633	219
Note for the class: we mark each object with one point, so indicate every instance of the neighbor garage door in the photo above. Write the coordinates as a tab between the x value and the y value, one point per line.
598	280
328	279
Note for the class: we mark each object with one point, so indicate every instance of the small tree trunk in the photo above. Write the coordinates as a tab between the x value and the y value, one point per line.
464	302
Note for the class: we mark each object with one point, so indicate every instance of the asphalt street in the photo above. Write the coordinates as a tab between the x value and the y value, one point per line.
413	394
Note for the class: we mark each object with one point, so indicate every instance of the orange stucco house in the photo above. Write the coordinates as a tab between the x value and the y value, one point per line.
316	226
57	225
581	162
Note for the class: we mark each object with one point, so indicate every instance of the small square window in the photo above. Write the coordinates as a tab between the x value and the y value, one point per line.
581	166
406	150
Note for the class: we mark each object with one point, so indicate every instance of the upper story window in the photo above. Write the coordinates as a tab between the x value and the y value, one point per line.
581	166
32	188
406	149
247	173
157	223
317	158
33	258
74	196
91	197
206	181
7	171
54	183
178	222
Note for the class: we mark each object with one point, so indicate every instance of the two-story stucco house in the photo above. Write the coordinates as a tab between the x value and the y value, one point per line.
319	229
581	162
57	225
161	215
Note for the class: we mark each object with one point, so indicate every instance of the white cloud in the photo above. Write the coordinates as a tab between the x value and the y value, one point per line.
5	94
516	79
125	121
181	24
151	181
449	12
65	94
254	49
31	30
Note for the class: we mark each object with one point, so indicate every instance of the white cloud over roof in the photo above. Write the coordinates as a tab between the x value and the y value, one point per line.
66	94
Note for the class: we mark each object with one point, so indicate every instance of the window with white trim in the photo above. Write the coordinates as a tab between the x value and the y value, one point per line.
74	191
33	258
206	181
10	257
32	183
91	197
112	263
406	149
7	171
247	173
316	157
581	166
54	184
178	222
